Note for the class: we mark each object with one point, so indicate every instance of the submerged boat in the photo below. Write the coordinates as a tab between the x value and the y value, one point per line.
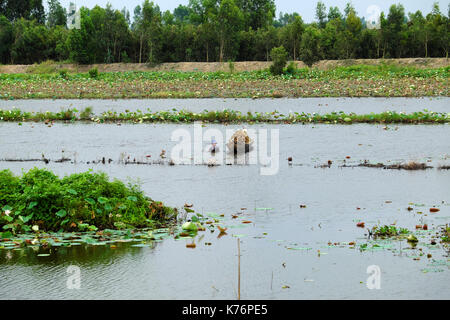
240	141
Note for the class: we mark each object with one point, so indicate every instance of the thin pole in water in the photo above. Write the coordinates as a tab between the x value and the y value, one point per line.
239	269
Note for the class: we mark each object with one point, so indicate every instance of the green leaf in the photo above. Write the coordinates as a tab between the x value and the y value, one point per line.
102	200
61	213
6	234
71	191
195	219
8	226
122	206
26	219
120	225
8	218
90	201
132	198
32	205
83	225
6	208
189	210
65	221
108	207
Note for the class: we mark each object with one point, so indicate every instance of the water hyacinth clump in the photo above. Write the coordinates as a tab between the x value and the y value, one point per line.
227	116
40	200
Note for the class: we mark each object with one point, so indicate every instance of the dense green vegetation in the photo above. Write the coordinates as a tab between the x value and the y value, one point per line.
383	71
213	30
225	116
79	202
354	81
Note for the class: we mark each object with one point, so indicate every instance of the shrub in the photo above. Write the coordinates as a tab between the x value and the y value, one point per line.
74	202
291	68
63	74
46	67
86	114
231	66
279	58
93	73
125	58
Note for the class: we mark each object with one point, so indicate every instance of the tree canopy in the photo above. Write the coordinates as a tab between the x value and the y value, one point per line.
214	30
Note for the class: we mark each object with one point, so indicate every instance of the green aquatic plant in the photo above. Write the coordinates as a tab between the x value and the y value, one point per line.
228	116
445	236
389	231
350	81
86	114
82	201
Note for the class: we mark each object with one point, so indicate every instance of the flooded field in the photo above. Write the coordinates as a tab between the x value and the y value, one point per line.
301	239
308	105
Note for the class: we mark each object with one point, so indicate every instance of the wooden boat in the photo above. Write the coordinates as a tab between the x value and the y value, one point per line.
240	141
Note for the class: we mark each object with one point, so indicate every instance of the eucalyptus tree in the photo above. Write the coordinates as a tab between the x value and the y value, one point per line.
321	14
147	25
57	14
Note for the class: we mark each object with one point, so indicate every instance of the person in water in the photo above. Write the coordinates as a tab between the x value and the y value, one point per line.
214	147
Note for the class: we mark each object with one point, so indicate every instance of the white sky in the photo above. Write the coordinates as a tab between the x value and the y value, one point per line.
306	8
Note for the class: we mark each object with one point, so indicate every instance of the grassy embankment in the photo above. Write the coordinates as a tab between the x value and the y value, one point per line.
351	81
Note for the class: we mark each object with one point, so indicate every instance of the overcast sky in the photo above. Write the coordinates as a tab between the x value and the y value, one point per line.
306	8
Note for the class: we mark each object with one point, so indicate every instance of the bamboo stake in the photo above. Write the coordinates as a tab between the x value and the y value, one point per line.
239	270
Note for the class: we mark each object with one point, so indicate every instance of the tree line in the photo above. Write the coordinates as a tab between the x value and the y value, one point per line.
213	30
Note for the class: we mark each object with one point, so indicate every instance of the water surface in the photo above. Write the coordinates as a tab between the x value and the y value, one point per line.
281	245
285	105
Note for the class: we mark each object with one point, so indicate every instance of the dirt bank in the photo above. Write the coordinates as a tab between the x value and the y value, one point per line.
217	66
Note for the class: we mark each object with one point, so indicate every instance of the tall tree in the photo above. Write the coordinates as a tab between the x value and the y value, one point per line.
394	30
6	39
285	19
27	9
81	42
418	34
57	15
334	13
30	42
293	36
148	28
181	14
440	29
310	48
257	13
351	34
349	8
229	21
321	14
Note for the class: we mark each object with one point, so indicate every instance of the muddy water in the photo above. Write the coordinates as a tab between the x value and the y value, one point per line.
280	247
319	105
